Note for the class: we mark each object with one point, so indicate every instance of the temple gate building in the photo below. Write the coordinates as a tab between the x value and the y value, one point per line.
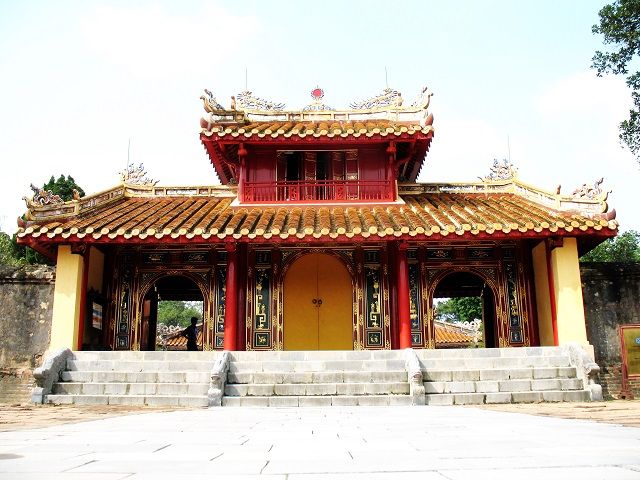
319	238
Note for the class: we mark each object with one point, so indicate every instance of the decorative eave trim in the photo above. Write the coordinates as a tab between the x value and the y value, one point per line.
602	229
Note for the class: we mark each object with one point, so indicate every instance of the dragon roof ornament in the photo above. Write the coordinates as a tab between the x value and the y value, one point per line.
388	98
136	176
591	191
42	197
504	170
247	101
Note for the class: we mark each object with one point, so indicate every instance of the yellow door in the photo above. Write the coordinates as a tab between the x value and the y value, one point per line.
318	305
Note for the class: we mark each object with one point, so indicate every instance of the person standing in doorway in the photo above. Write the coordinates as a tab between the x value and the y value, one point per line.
191	332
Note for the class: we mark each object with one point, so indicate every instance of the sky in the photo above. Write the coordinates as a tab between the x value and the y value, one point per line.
79	80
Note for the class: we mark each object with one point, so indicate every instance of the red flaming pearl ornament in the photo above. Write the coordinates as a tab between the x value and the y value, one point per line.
317	93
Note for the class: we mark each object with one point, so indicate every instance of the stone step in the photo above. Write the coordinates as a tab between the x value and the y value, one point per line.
316	355
135	377
471	363
508	397
281	366
77	388
146	356
139	366
494	386
489	352
317	401
499	374
153	400
317	377
315	389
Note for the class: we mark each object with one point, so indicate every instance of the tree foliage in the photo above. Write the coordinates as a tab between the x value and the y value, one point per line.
176	312
620	27
63	186
464	309
623	248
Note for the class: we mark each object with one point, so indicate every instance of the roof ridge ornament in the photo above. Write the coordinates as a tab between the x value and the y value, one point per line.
42	197
211	105
136	176
591	191
247	101
388	98
504	170
317	94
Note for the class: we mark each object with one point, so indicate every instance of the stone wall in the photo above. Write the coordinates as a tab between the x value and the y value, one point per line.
611	298
26	300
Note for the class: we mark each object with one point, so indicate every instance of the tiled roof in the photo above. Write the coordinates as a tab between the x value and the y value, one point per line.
310	129
448	334
425	212
180	343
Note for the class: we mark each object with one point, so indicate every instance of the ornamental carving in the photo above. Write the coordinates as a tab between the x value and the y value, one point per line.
246	101
423	99
388	98
210	103
588	191
136	176
501	171
42	197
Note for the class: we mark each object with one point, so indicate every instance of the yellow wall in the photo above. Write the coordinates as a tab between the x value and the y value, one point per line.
568	288
543	302
66	299
96	269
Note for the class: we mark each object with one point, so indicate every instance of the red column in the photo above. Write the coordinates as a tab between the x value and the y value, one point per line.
404	319
231	302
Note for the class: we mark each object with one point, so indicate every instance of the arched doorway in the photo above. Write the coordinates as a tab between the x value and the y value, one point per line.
465	312
171	300
318	304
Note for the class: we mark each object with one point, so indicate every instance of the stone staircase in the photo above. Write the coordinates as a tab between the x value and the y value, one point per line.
135	378
318	378
507	375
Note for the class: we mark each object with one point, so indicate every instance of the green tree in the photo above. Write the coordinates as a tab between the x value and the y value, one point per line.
8	254
620	26
63	186
623	248
464	309
176	312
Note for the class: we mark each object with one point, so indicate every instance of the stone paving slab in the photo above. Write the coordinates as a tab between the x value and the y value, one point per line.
445	443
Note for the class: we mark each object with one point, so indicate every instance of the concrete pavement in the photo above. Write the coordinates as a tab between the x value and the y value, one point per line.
306	443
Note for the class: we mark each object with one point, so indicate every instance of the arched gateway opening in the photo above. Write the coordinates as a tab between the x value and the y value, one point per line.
318	303
172	299
460	300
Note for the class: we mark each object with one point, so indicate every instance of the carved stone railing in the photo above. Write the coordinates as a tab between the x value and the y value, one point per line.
414	374
50	372
587	369
218	380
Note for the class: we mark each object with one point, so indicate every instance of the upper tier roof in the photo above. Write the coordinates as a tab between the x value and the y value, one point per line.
251	120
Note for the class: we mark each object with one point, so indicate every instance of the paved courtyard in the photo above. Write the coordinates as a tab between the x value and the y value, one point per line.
351	443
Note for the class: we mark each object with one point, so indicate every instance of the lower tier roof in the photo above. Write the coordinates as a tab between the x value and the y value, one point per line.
128	214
